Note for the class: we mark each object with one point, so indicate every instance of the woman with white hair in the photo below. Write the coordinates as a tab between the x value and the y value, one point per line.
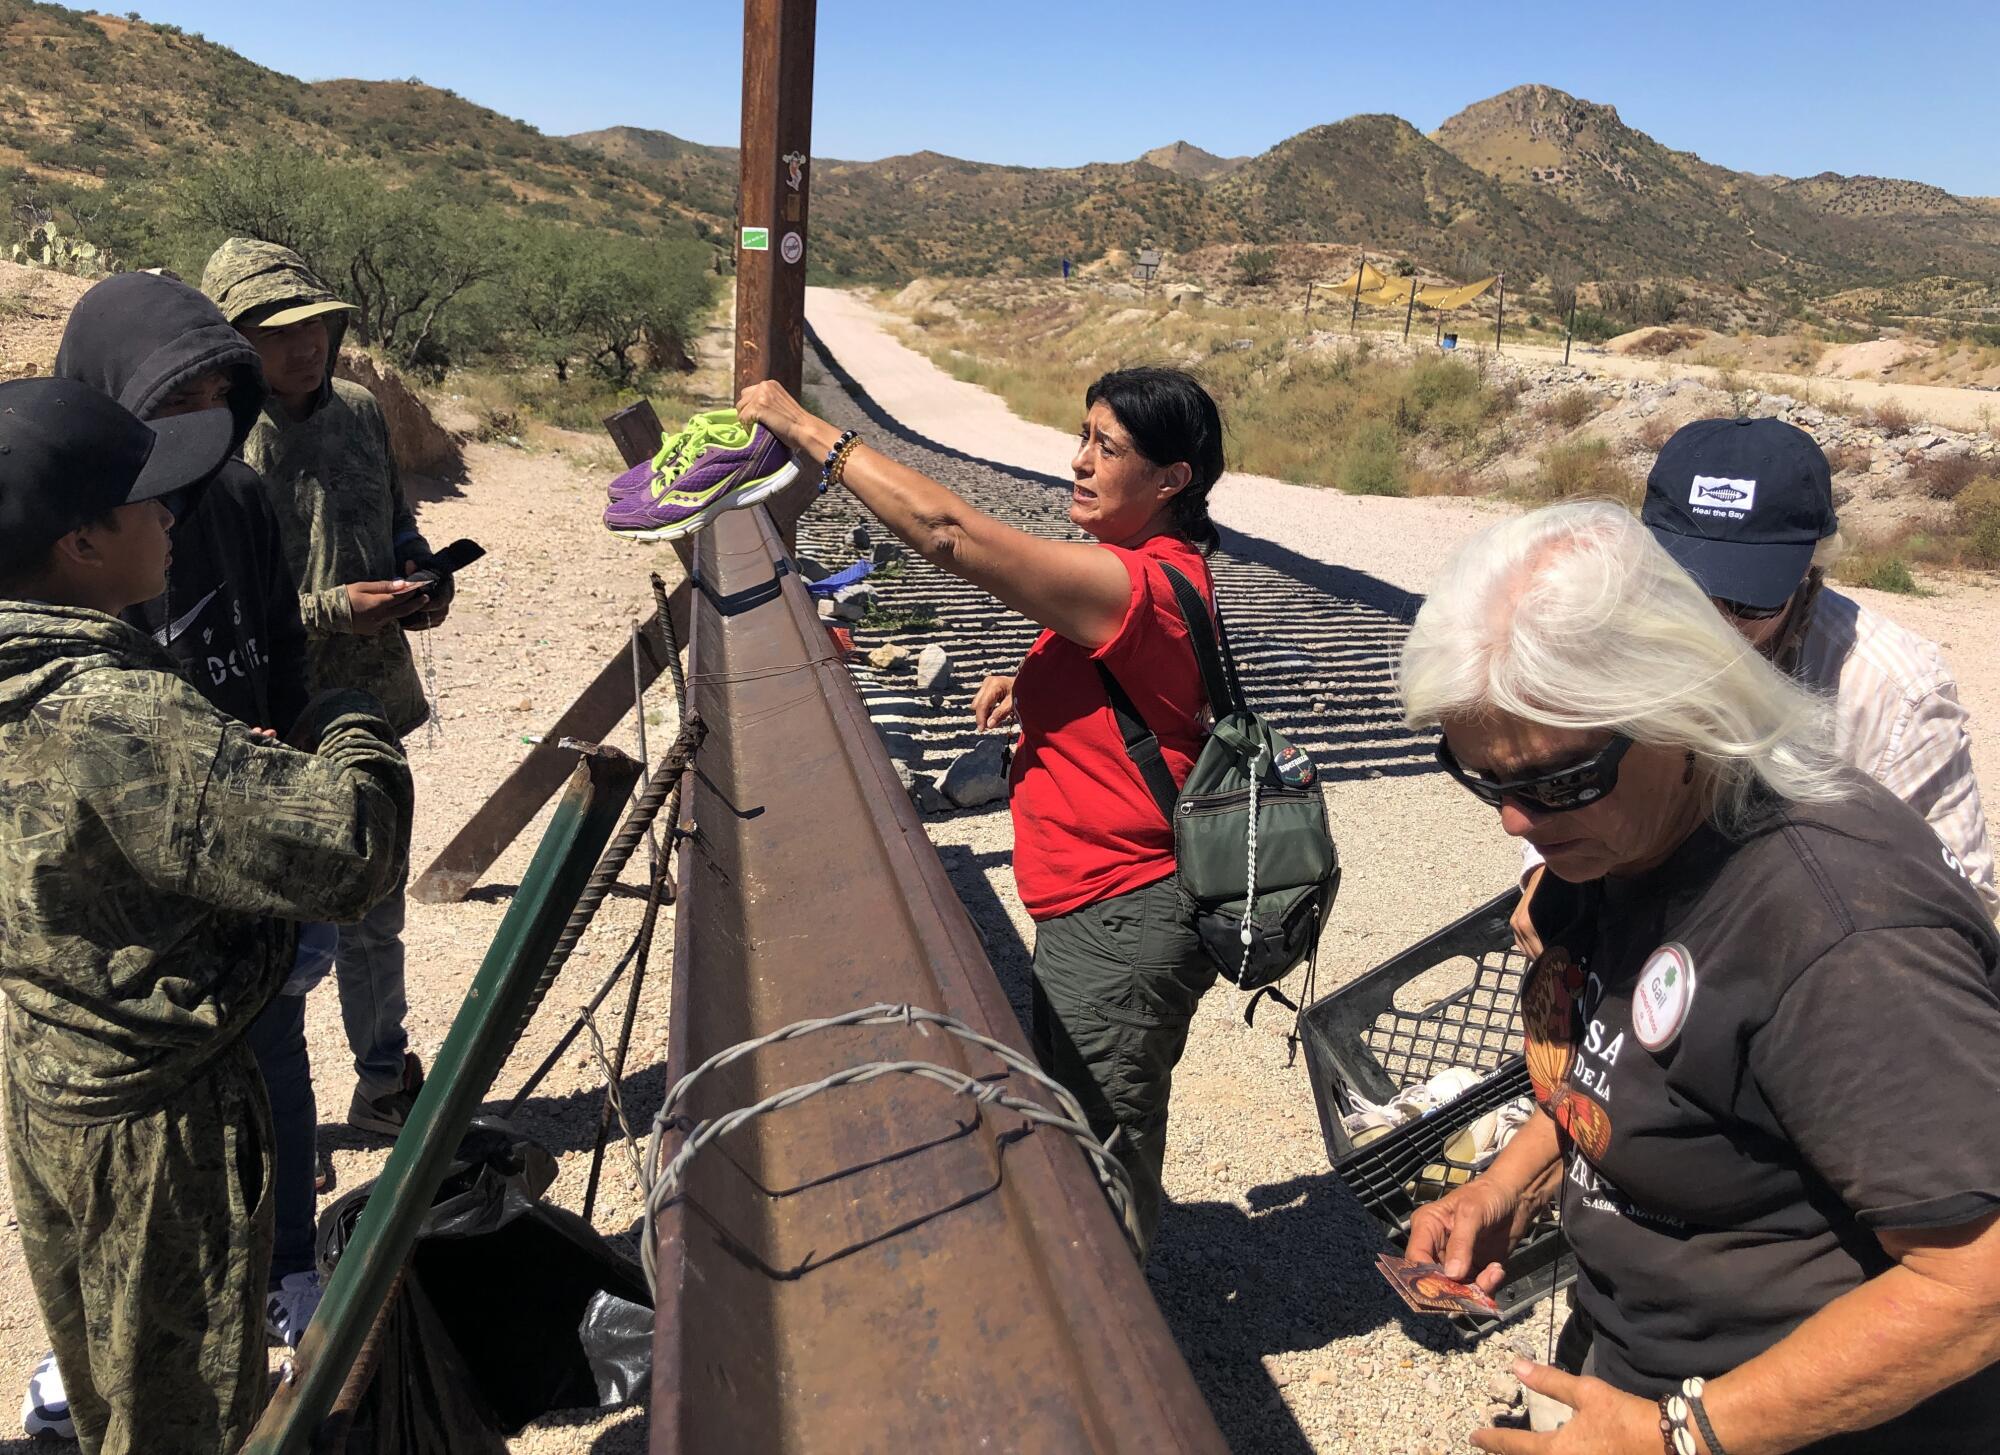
1764	1032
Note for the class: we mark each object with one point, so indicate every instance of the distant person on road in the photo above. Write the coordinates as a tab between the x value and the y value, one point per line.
1746	507
350	538
1762	1034
1118	969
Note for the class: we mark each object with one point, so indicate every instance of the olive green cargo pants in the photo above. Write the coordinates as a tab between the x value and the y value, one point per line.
1115	988
148	1241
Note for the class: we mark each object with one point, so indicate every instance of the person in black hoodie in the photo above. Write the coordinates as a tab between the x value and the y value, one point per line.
230	616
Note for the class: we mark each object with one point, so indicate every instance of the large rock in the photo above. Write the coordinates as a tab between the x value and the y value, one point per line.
809	569
934	670
922	788
979	776
420	444
889	657
901	747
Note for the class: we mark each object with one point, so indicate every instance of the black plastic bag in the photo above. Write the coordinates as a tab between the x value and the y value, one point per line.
511	1308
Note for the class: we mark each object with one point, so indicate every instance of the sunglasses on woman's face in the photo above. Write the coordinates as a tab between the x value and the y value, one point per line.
1743	612
1577	786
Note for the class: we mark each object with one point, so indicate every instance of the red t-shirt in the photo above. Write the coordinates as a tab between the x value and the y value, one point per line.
1085	828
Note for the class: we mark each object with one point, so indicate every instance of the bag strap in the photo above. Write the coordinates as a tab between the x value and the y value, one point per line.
1218	680
1141	746
1218	668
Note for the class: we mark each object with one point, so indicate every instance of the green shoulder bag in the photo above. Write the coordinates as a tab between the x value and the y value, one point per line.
1251	844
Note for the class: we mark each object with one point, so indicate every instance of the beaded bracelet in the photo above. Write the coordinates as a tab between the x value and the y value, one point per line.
840	462
836	459
1693	1388
1675	1436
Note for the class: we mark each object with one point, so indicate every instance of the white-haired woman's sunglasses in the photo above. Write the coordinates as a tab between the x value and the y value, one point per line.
1577	786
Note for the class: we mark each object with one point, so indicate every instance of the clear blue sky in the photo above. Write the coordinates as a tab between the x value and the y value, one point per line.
1904	90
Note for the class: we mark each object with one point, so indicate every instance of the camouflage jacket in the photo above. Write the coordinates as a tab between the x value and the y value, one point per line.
153	855
333	481
343	518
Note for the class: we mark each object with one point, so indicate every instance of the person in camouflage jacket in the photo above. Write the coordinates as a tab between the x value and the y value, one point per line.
155	856
349	534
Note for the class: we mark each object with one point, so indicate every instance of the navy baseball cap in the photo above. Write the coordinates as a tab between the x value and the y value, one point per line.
1741	504
68	454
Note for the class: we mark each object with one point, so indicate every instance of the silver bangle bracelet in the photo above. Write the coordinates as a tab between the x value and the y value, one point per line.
1692	1389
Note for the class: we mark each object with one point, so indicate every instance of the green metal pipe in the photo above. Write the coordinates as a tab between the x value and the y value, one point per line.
482	1036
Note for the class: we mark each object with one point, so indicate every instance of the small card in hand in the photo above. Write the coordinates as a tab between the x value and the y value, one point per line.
1426	1288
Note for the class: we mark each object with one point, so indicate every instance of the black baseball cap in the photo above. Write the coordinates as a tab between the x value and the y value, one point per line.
68	454
1741	504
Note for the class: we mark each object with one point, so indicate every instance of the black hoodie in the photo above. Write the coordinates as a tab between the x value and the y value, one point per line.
230	614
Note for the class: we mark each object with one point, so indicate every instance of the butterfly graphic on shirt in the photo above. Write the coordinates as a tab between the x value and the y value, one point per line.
1549	997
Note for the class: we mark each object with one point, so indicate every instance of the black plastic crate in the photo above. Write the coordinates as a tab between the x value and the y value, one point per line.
1359	1042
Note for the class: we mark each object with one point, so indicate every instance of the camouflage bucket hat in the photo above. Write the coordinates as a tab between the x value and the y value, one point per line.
263	285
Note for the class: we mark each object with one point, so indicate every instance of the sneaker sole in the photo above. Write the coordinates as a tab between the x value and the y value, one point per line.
730	500
375	1124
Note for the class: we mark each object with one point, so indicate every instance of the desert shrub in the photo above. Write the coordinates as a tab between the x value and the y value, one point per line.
1582	470
1594	327
1891	418
1890	573
1567	409
1373	462
1443	482
1849	458
1945	477
1654	434
1257	267
1976	517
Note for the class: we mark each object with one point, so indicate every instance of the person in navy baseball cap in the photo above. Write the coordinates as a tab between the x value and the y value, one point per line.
73	464
1742	504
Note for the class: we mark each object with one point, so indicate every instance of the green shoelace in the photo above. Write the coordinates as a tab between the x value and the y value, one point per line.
681	449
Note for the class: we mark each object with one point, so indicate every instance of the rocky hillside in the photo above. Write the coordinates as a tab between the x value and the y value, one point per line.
94	109
92	104
1532	181
1686	216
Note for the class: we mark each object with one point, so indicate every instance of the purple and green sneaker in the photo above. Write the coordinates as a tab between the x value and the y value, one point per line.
665	460
715	464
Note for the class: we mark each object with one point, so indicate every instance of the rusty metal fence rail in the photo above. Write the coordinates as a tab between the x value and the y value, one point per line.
888	1266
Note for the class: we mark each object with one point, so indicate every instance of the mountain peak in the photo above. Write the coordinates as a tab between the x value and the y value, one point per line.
1539	134
1185	159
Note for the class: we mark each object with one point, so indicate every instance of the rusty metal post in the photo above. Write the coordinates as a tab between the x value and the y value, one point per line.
774	205
1354	313
1410	312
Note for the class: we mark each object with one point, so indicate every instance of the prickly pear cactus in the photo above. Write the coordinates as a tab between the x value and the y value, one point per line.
48	248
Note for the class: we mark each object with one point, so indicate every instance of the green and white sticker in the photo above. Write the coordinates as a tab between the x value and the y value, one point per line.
756	239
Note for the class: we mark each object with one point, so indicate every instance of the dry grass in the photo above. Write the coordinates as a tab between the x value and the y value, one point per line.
1945	477
1892	419
1582	470
1346	417
1662	342
1568	409
1849	459
1653	436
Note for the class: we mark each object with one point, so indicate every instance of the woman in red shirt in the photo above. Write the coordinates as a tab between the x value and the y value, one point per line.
1118	969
